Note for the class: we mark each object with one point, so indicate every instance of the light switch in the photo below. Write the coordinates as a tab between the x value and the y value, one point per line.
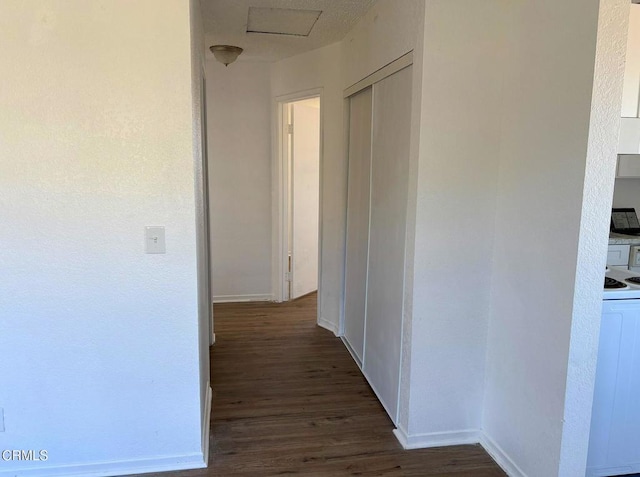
154	240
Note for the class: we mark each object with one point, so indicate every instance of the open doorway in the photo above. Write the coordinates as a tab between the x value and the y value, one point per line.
299	156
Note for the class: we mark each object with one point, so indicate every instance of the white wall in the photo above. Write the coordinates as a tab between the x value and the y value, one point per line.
387	31
321	69
459	143
99	339
239	142
604	128
627	193
554	189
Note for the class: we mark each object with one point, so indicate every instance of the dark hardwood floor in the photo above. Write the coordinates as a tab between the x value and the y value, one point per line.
288	399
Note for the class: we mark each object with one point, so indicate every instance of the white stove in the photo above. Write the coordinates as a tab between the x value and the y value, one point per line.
626	283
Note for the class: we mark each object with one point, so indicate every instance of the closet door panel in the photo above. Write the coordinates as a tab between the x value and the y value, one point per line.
358	220
389	188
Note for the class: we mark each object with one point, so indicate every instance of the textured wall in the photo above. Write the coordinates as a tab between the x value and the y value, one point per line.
99	341
594	232
544	299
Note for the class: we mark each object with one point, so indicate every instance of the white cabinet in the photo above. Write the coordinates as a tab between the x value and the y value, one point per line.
618	255
631	90
629	164
629	142
629	139
614	441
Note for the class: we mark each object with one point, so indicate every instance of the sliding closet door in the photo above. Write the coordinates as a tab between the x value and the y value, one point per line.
389	188
358	220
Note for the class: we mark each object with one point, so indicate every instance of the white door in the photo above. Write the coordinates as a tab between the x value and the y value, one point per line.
358	220
305	194
387	233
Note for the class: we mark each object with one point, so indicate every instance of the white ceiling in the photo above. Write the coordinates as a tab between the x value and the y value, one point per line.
225	22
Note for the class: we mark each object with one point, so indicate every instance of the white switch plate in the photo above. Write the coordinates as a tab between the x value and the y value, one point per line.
154	241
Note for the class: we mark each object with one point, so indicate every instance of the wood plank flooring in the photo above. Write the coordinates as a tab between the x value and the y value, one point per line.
288	399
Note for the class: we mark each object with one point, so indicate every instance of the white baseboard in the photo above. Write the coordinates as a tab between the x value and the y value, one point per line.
107	469
436	439
500	456
328	325
456	438
206	424
241	298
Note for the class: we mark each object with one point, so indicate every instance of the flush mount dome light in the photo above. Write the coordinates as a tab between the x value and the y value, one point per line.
226	54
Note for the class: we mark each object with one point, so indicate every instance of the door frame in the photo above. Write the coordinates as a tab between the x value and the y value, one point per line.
204	137
280	193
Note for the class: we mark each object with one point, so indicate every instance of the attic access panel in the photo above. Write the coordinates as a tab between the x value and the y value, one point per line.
281	21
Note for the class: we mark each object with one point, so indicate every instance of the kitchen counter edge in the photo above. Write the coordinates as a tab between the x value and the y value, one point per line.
619	239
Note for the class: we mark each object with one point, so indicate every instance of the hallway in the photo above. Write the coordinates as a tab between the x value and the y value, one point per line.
288	399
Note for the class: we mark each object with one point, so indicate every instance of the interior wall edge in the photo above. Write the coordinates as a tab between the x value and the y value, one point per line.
599	183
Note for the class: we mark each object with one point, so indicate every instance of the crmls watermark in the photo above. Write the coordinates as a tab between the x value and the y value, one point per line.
30	455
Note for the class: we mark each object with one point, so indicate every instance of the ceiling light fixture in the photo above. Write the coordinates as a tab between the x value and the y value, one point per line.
226	54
